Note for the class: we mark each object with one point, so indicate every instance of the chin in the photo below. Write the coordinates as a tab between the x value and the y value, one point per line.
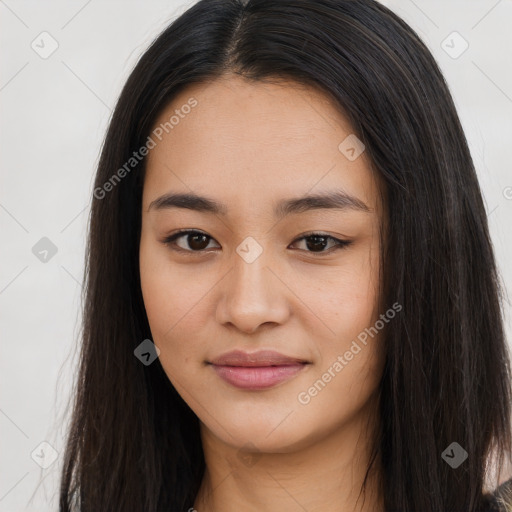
264	436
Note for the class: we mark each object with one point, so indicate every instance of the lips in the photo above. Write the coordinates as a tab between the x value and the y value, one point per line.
258	370
261	358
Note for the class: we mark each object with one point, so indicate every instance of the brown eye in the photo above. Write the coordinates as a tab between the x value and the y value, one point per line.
196	242
193	241
317	243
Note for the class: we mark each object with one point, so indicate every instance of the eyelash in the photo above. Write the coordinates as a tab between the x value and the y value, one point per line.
168	241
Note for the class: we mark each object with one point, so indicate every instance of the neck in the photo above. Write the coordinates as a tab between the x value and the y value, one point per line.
326	475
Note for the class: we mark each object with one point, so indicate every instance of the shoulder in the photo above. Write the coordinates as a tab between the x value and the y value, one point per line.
495	502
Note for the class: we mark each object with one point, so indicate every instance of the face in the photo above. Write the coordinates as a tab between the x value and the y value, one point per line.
262	265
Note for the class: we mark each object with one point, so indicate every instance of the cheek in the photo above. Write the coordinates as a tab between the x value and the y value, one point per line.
349	355
333	397
166	310
176	306
343	297
169	291
350	363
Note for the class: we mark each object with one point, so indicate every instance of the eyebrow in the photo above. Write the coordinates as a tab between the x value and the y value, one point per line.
337	200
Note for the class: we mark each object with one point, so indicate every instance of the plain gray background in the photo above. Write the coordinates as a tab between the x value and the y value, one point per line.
54	113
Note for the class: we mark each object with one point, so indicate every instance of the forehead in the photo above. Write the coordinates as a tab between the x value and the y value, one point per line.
252	141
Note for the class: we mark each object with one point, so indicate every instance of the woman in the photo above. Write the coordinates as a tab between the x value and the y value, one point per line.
292	300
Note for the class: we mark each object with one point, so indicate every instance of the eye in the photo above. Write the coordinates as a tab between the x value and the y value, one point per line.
317	242
196	242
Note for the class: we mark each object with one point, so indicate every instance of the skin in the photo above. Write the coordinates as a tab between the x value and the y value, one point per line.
249	145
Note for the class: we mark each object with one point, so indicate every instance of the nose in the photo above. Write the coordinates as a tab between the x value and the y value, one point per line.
252	295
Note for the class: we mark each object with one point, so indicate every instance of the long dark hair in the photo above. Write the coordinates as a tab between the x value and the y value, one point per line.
133	442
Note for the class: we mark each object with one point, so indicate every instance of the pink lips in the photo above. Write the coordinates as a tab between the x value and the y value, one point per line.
258	370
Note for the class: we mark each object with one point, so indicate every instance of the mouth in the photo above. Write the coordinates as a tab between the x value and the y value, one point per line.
259	370
257	377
